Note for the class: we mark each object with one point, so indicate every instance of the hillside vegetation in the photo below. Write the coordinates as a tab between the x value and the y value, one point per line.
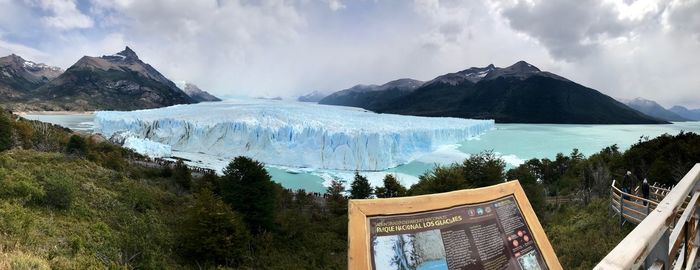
70	201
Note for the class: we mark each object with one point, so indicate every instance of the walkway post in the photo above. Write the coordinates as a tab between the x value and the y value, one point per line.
622	208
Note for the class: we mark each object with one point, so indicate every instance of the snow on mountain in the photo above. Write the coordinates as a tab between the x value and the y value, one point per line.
520	70
692	114
400	84
34	71
473	74
293	134
651	108
314	96
195	92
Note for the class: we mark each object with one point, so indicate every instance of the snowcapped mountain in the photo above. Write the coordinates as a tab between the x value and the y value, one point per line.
521	70
653	109
116	82
692	114
473	74
314	96
19	76
360	94
195	93
520	93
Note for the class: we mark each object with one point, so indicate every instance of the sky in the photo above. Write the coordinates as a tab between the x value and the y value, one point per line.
623	48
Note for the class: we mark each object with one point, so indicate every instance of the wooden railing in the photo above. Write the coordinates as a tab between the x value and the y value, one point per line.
630	207
665	237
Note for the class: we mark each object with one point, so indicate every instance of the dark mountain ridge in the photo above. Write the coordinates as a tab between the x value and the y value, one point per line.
372	95
520	93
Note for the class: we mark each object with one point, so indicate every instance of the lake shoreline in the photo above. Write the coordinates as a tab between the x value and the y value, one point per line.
22	113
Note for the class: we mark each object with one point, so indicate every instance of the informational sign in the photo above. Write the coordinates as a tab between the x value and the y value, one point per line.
487	228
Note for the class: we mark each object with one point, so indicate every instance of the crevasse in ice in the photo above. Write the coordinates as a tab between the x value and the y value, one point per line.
292	134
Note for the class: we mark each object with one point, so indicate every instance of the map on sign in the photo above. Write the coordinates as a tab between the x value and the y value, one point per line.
492	228
489	235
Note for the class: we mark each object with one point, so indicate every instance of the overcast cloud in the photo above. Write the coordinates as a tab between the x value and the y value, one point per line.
623	48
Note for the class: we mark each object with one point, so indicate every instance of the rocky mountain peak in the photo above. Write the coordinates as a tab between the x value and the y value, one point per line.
520	70
35	71
128	53
523	67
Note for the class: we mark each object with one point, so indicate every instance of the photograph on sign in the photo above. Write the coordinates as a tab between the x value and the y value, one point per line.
488	235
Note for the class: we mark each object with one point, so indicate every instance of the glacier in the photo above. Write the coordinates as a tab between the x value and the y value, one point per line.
148	147
291	134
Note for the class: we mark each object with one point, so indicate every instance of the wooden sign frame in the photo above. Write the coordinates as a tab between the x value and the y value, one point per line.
359	212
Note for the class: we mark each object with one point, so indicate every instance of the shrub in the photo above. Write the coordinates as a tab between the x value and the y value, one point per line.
22	261
208	181
182	175
5	132
480	170
25	133
76	145
440	179
58	193
19	186
484	169
212	232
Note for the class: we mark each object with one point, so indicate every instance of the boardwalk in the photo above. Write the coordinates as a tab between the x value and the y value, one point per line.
666	236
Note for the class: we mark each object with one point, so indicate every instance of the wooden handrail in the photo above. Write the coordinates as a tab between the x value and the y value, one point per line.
633	196
632	251
676	235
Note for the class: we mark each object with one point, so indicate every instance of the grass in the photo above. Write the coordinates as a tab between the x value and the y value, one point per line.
111	219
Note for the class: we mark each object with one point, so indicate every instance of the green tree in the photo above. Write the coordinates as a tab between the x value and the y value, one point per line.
5	132
248	188
484	169
360	188
335	199
392	188
440	179
212	233
182	175
533	189
76	145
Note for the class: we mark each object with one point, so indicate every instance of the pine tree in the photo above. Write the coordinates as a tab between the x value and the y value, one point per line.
248	188
392	188
360	187
335	198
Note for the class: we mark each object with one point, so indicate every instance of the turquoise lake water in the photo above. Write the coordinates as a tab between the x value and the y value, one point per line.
515	143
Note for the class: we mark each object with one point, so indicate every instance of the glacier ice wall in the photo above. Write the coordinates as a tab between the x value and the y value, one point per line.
148	147
293	134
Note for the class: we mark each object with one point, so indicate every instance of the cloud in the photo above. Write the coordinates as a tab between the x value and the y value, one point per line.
569	29
64	15
642	48
19	49
684	16
335	5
